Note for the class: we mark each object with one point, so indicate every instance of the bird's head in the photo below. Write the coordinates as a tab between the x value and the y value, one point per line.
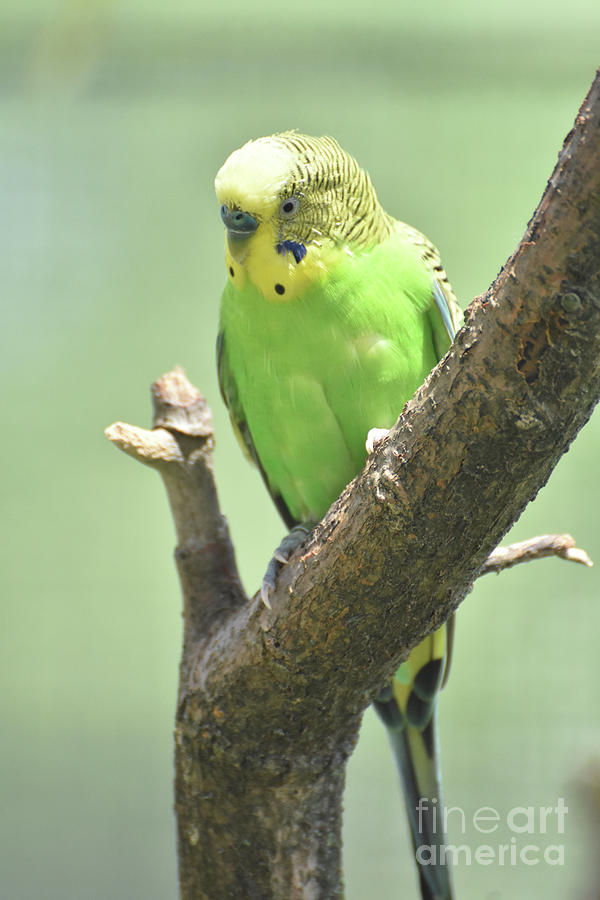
287	200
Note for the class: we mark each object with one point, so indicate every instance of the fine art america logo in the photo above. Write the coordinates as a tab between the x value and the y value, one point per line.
527	826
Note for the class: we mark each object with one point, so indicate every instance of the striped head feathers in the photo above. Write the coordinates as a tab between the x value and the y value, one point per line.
308	188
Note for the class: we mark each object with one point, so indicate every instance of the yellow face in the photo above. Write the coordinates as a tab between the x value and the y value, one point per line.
277	275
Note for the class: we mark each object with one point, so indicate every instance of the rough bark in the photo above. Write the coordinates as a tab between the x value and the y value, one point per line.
267	714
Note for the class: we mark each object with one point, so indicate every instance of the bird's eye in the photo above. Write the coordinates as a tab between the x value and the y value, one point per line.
289	207
224	212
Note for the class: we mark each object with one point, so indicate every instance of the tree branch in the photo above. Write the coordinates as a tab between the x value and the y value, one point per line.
561	545
180	448
267	714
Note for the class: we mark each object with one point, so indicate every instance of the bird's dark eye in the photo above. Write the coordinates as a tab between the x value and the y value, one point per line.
289	207
224	212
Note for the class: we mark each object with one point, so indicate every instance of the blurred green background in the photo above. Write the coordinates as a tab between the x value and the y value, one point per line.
114	117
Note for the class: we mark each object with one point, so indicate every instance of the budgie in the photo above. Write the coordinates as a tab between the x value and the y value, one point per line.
332	315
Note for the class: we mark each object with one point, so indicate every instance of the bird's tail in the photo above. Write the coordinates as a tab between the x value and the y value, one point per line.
408	709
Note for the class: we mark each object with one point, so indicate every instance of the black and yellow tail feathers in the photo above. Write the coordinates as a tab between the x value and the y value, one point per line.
407	707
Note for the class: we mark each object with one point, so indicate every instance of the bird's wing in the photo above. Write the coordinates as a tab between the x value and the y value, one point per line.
230	395
446	318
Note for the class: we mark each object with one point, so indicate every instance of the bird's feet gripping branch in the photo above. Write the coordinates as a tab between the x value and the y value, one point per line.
281	556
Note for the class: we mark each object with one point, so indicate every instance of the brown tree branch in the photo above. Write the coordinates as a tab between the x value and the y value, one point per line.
561	545
180	447
267	714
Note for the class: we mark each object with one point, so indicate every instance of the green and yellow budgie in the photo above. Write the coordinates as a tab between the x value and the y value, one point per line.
332	316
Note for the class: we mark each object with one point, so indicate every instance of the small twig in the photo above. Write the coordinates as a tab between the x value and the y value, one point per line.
152	448
179	409
179	447
562	545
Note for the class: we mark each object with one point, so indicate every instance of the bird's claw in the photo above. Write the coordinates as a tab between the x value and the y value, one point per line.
280	557
269	581
374	437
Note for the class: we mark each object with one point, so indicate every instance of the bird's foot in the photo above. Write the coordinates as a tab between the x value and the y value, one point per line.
374	437
281	556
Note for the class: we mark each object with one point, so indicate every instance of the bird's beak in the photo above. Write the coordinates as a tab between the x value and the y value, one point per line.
240	226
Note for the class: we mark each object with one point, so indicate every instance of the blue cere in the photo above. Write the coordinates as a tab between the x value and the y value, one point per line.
298	250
